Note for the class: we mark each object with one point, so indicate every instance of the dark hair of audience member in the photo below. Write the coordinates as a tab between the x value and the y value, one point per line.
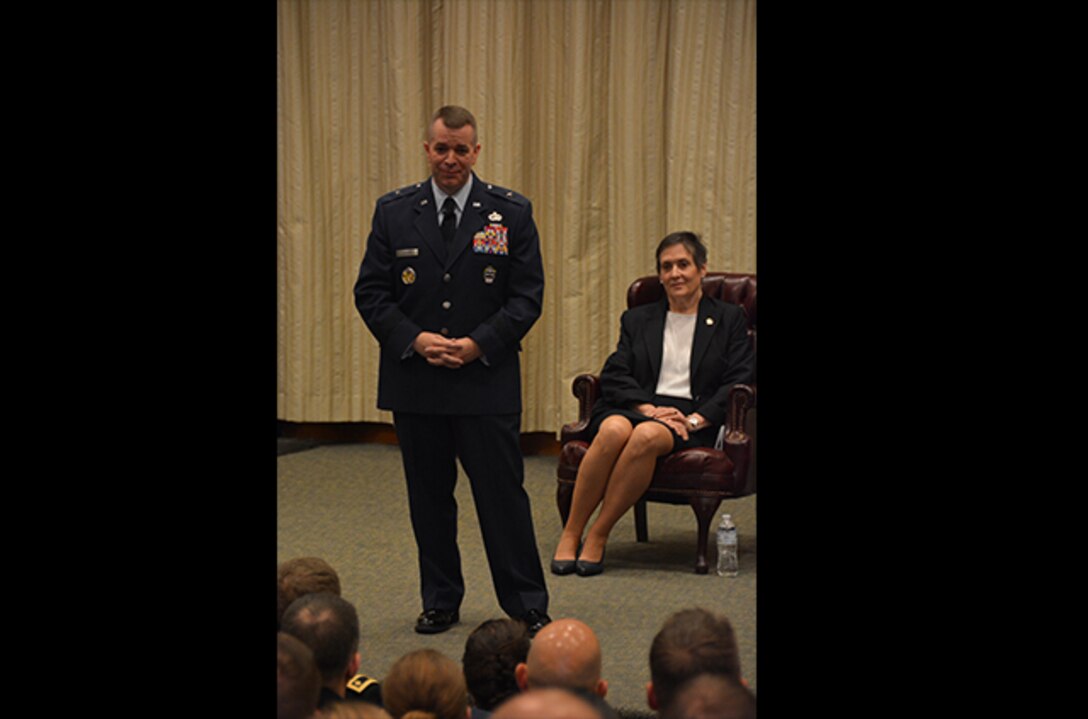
298	683
328	625
711	696
492	651
303	575
425	684
691	642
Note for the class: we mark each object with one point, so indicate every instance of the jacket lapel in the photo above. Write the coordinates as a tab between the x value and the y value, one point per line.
706	324
427	222
655	337
473	218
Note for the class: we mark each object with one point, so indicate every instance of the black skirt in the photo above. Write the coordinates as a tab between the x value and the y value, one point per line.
705	437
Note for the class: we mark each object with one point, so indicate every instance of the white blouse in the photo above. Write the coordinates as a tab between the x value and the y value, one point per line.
674	379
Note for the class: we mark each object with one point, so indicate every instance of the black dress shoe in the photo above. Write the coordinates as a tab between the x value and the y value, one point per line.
434	621
535	620
588	569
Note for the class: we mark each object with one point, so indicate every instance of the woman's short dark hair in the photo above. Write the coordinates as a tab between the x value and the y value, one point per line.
690	240
492	651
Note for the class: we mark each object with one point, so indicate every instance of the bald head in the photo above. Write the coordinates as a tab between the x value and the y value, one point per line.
546	704
566	654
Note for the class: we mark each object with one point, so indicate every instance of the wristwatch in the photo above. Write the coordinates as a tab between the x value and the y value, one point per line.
693	423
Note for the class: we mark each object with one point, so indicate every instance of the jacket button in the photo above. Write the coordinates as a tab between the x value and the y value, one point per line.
445	331
446	305
446	277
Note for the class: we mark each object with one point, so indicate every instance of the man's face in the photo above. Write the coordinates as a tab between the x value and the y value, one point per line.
452	153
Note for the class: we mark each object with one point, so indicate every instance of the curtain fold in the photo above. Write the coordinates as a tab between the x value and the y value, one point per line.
622	121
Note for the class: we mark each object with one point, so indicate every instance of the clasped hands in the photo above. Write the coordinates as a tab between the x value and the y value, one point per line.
442	351
672	417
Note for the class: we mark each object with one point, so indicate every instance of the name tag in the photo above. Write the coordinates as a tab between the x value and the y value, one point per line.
408	252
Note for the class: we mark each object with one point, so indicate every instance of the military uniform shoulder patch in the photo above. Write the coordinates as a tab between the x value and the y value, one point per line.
360	683
406	191
508	195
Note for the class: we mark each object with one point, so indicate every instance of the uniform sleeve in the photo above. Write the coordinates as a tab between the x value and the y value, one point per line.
374	298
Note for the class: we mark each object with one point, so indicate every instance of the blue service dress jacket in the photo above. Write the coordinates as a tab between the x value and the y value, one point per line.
488	285
721	356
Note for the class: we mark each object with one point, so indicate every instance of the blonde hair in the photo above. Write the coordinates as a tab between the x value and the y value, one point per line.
425	684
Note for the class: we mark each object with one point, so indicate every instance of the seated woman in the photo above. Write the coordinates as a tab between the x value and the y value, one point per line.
666	387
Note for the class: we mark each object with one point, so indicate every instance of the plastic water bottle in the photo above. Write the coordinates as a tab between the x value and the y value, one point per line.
728	566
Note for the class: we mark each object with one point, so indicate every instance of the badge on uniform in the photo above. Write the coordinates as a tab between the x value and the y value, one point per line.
408	252
408	276
489	274
491	240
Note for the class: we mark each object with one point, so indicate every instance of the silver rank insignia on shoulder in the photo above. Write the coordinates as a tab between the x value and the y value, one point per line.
408	276
495	217
489	274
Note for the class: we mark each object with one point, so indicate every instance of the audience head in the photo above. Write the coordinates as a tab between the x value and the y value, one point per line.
304	575
565	654
553	703
691	642
492	652
329	626
298	683
712	696
425	684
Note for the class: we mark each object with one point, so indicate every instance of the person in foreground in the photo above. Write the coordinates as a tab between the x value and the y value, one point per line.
426	684
665	387
451	281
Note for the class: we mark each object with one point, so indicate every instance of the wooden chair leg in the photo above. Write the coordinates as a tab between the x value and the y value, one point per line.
564	493
704	508
641	533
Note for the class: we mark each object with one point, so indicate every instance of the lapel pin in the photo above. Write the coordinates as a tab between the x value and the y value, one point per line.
475	204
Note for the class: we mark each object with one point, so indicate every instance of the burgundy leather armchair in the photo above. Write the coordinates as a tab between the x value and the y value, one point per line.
699	476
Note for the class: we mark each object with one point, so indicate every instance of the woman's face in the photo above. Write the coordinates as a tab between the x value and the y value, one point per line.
679	275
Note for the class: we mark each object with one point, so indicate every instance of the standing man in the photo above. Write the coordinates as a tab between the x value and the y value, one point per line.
451	281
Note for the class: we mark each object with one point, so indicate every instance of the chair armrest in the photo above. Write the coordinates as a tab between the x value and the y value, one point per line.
742	397
587	388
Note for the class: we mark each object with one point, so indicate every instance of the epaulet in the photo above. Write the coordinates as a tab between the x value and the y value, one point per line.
360	683
406	191
508	195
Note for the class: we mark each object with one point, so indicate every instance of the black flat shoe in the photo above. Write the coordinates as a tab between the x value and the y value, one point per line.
434	621
536	620
589	569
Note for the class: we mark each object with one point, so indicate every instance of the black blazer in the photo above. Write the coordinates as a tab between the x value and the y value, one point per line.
489	285
721	356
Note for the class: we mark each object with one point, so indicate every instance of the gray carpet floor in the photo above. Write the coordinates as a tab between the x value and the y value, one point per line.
347	503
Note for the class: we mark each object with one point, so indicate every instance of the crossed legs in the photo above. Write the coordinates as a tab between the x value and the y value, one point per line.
615	472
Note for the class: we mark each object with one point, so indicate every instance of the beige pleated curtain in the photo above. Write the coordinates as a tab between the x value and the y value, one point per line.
622	120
